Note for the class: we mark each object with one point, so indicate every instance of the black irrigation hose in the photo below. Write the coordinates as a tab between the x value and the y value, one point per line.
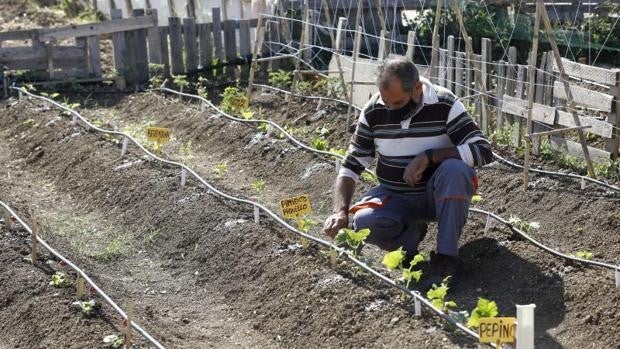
415	294
494	216
85	276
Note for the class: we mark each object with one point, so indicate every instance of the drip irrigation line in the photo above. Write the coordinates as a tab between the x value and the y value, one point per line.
494	216
340	250
107	298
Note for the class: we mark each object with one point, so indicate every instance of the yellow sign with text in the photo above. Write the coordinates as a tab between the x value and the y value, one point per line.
158	134
296	206
497	329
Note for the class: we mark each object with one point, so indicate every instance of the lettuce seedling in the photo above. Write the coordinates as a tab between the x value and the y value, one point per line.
319	143
352	239
113	341
584	255
484	308
394	260
87	307
523	225
258	185
476	199
437	296
60	280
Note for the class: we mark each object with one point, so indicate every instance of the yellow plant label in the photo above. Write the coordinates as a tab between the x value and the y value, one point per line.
296	206
158	134
497	329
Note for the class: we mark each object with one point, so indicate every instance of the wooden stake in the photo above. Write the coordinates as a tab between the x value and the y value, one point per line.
356	45
530	94
33	237
482	86
569	94
336	47
258	42
435	43
299	55
128	332
80	287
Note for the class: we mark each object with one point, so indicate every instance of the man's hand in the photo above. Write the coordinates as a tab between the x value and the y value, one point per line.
335	222
415	169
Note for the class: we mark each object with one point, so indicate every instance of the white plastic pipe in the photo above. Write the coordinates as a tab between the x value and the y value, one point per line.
525	326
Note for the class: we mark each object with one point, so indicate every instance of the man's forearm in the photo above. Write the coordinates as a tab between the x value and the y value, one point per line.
344	189
440	155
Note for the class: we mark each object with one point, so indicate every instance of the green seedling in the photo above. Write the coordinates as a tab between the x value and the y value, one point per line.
319	143
113	341
50	96
247	114
29	123
523	225
234	101
263	127
220	169
394	260
280	78
584	255
338	151
60	280
476	199
181	81
258	185
352	239
305	224
86	307
437	296
484	308
323	131
304	87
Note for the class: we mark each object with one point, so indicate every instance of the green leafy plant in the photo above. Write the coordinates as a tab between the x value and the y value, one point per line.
484	308
306	223
186	153
258	186
60	280
476	199
247	114
263	127
437	295
86	307
338	151
113	341
234	101
220	169
352	239
523	225
584	255
394	260
180	81
319	143
303	87
280	79
53	95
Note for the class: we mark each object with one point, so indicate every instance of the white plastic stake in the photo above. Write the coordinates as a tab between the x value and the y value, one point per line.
74	119
417	307
256	214
583	183
318	106
488	224
125	146
337	161
202	106
525	326
183	177
19	94
617	278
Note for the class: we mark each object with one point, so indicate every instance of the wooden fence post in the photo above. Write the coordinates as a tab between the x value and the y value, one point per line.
206	46
176	46
450	64
189	39
410	45
217	36
614	119
245	46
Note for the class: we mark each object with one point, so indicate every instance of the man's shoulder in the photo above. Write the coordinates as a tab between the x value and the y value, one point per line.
374	105
444	95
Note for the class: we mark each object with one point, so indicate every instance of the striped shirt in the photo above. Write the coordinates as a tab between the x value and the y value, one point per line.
441	121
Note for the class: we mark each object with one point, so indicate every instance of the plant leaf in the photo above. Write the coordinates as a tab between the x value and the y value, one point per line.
394	259
417	259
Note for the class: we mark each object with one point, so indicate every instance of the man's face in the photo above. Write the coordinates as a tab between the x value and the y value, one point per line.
395	98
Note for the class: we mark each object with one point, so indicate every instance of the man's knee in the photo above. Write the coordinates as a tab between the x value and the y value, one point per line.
455	171
382	226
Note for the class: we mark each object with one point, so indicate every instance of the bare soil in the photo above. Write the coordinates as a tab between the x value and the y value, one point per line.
203	274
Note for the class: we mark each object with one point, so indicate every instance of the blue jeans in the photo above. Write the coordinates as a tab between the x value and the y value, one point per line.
403	218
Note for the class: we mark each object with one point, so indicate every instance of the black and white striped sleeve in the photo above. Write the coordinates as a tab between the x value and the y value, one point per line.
361	149
474	148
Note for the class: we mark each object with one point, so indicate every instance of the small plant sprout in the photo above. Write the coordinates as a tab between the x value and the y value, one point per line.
338	151
220	169
584	255
60	280
523	225
484	308
234	101
113	341
280	78
50	95
86	307
394	260
263	127
437	296
352	239
181	81
247	114
258	186
319	143
305	224
476	199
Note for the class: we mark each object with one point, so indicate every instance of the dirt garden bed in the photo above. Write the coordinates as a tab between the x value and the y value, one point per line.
202	274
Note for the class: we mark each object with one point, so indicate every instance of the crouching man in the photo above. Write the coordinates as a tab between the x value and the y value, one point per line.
426	146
